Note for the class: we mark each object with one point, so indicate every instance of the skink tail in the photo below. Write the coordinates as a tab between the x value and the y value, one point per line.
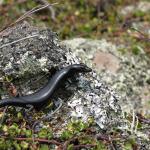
12	102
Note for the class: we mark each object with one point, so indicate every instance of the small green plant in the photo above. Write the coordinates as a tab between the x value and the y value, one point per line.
74	128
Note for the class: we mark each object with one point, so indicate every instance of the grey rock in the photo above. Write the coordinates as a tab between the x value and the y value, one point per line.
130	79
28	52
139	6
21	47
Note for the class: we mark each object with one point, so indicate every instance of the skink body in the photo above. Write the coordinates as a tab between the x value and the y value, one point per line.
42	96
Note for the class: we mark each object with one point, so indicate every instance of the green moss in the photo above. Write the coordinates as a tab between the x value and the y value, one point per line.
24	145
66	135
122	50
86	140
77	126
100	146
70	147
14	130
44	147
45	133
74	128
135	50
127	146
16	145
139	13
73	18
26	132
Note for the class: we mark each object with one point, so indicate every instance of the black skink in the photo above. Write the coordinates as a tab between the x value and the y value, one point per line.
42	96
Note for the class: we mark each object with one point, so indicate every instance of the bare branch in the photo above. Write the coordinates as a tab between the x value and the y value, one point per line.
28	37
51	9
36	139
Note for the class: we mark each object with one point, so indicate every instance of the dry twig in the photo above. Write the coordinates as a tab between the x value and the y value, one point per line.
27	14
50	8
35	139
28	37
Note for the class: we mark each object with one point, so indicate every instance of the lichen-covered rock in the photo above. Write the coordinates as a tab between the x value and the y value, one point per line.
128	74
95	99
21	47
139	6
26	52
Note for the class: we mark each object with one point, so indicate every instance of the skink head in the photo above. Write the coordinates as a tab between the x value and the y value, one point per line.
80	68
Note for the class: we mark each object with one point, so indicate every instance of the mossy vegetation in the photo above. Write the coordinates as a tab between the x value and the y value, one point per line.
17	134
74	18
79	18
